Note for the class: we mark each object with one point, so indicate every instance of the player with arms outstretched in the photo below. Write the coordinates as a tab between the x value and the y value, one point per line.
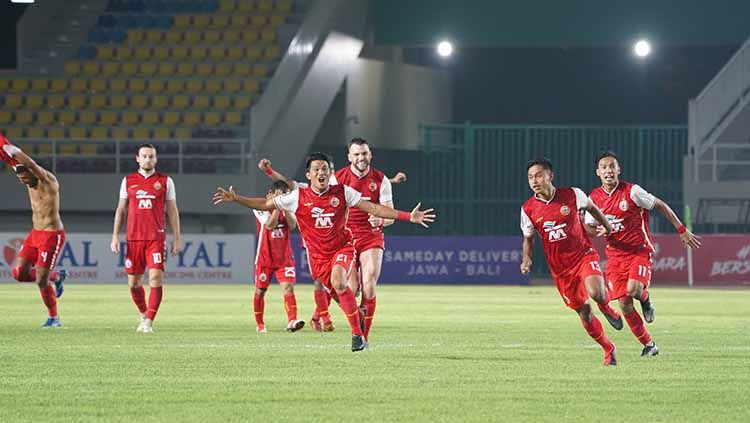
144	196
321	210
554	214
39	253
629	246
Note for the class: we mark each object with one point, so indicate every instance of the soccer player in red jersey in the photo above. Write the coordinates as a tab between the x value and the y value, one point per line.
555	214
144	196
274	257
39	253
321	210
629	246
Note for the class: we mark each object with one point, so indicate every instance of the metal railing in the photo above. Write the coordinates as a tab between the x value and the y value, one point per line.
723	162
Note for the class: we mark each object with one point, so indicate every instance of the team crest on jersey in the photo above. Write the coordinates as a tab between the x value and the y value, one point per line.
624	205
564	210
262	277
128	264
157	185
334	202
373	186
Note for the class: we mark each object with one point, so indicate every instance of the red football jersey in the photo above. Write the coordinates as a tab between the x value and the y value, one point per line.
321	217
374	186
274	248
147	197
627	209
558	223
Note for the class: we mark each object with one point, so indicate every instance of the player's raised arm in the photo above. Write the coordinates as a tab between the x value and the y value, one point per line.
273	220
688	238
597	214
23	159
291	221
230	196
421	217
398	178
265	166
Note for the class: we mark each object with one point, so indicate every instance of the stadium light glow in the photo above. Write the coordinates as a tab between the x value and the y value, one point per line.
22	1
445	48
642	48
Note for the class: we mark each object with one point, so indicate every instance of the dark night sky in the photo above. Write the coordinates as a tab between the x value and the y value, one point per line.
9	14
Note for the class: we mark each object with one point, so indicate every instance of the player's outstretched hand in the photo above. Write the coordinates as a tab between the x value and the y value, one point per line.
223	196
114	246
264	165
526	266
398	178
375	221
176	247
423	217
690	240
601	231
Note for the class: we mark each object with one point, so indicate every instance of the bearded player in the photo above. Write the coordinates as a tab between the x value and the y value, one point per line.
629	247
321	210
39	253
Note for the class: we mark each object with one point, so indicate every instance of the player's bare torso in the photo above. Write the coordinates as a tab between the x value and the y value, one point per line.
45	204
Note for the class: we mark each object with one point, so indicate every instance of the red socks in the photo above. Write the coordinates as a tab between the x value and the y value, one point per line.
595	330
154	300
49	300
636	326
290	305
644	296
606	309
20	276
259	305
138	294
369	304
321	306
349	304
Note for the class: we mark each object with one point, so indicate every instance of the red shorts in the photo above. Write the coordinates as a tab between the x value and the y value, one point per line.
283	275
42	247
571	286
321	269
367	241
620	269
140	255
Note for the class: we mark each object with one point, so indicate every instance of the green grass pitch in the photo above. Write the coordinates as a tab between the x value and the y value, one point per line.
438	354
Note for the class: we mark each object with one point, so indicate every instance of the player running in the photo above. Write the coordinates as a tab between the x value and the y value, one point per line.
321	210
144	196
274	257
39	253
629	246
554	214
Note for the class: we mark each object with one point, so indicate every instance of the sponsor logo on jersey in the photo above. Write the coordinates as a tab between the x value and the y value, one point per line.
624	205
144	199
334	202
564	210
157	185
373	186
617	225
322	219
555	232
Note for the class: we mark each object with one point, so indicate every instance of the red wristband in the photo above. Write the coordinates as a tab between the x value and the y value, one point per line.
402	215
681	230
269	171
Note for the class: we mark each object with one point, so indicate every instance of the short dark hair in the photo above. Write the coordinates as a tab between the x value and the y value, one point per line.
544	162
606	153
357	141
317	156
280	186
20	169
144	145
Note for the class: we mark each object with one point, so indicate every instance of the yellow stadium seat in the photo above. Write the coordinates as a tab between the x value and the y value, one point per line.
150	118
261	70
4	84
223	69
24	117
219	21
185	69
19	85
217	53
105	52
211	37
58	85
204	69
257	20
79	85
129	118
201	102
91	68
277	20
68	149
162	133
201	21
265	6
213	86
72	68
129	68
212	118
241	69
253	53
137	85
40	85
245	5
55	101
135	36
46	148
180	102
166	69
284	6
175	86
45	117
183	133
98	101
173	37
233	118
107	117
272	53
13	101
118	101
111	69
231	36
160	53
124	53
87	117
147	69
243	102
160	102
35	132
76	132
222	102
154	36
141	133
139	101
77	101
194	86
191	119
34	101
232	85
226	6
13	132
155	86
250	86
97	133
198	53
179	53
67	117
235	53
171	118
5	117
27	148
250	36
120	133
98	85
268	35
193	37
182	21
118	85
55	133
142	53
